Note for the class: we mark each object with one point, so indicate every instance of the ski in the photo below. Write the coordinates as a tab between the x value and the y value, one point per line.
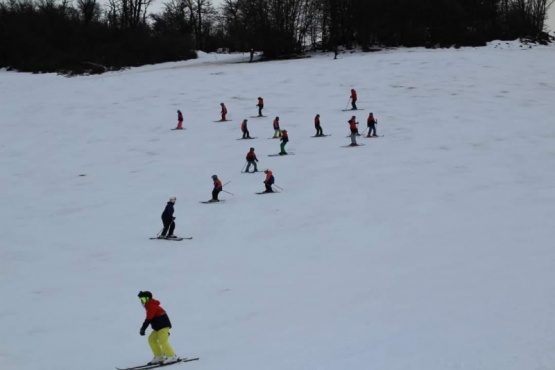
280	155
257	116
351	146
348	110
225	120
250	171
209	202
153	366
247	138
369	137
321	135
177	129
174	239
273	138
267	192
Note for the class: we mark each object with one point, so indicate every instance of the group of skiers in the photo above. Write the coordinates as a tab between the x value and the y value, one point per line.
371	122
156	316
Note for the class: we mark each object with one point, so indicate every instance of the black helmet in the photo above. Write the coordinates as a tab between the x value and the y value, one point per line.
252	149
145	294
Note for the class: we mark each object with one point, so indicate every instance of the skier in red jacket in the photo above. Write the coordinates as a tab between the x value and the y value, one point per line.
158	340
223	112
179	120
251	159
354	99
260	106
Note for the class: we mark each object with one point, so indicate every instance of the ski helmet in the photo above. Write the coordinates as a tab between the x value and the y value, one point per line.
145	294
252	149
214	177
173	199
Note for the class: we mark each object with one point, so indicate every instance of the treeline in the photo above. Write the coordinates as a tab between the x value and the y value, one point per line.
84	37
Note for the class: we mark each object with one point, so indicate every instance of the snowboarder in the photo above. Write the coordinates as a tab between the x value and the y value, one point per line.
217	188
245	130
158	340
354	130
277	131
223	112
371	122
284	140
317	126
260	106
353	99
251	159
179	120
268	181
168	220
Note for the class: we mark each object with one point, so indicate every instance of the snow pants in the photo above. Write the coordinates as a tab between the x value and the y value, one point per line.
159	342
249	166
169	226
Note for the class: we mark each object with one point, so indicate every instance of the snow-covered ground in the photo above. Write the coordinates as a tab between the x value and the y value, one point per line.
429	248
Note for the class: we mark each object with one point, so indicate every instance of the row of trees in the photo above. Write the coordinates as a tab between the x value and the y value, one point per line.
55	35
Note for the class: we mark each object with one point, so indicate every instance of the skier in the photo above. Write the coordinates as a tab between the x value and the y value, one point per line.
217	188
252	55
371	122
251	159
319	131
245	130
277	131
284	140
268	181
179	120
158	340
260	106
168	220
223	112
354	130
353	99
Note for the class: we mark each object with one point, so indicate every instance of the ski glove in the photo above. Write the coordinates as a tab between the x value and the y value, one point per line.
142	332
173	218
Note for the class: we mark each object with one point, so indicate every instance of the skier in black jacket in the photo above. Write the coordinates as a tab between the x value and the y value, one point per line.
168	220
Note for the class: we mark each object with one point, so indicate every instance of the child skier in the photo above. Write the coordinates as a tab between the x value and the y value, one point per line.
251	159
260	106
179	120
317	126
245	130
223	112
158	340
268	181
277	131
354	130
168	220
284	140
217	188
371	122
354	99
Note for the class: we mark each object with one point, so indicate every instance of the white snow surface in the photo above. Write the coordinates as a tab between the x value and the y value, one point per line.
429	248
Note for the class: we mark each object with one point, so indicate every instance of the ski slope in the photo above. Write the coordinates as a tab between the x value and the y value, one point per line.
429	248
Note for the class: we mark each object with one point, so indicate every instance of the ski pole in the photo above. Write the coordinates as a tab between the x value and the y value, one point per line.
364	131
227	192
278	187
226	183
159	232
347	106
245	165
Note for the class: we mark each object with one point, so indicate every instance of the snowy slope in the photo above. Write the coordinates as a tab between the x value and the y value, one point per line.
429	248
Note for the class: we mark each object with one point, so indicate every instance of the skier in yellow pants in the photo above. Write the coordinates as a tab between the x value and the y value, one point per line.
161	325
